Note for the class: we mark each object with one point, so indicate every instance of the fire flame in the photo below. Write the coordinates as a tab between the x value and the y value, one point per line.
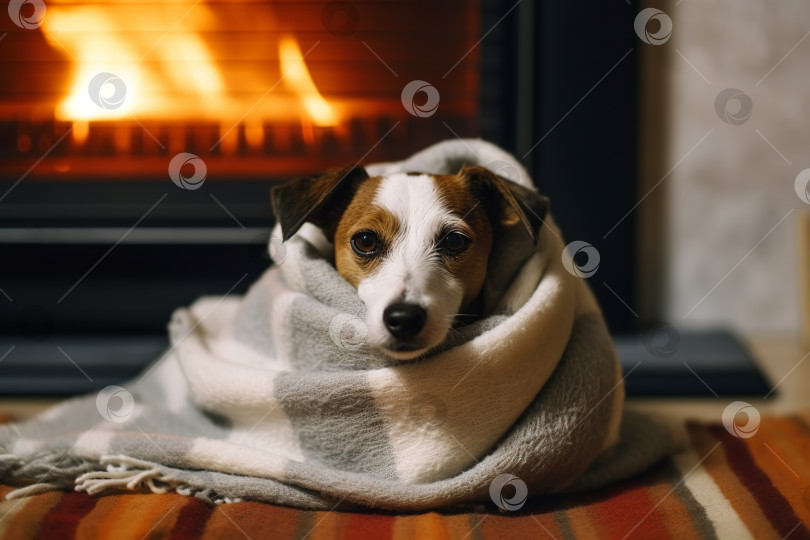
167	67
100	42
297	75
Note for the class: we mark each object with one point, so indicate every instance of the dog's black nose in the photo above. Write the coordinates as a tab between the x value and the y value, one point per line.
404	321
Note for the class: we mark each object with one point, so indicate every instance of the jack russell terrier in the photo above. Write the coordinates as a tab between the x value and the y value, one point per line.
417	247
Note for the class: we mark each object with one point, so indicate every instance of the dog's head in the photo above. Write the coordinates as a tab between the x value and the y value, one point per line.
416	246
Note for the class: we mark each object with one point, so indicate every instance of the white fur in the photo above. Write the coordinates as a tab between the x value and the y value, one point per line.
412	271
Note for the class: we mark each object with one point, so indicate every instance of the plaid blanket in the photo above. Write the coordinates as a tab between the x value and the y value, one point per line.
720	487
276	397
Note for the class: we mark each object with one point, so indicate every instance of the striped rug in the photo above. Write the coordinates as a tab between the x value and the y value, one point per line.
725	487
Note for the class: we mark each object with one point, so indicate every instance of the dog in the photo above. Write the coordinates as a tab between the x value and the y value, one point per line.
417	247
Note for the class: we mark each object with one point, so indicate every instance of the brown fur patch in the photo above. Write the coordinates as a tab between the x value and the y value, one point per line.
505	200
362	215
470	266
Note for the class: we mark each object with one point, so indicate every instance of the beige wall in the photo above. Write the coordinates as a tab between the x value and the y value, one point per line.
726	235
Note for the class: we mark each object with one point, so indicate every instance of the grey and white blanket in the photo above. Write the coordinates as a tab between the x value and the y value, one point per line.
275	396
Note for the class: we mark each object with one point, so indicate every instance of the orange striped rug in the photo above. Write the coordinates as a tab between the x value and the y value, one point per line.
725	487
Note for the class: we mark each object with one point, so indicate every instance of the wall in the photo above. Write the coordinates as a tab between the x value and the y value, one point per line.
728	202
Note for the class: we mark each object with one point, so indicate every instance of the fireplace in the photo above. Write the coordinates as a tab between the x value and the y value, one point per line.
138	143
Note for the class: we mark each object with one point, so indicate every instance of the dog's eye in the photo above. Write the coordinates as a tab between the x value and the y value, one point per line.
364	243
454	242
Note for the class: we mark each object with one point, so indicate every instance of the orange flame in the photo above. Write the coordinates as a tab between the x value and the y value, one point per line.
117	40
297	76
169	68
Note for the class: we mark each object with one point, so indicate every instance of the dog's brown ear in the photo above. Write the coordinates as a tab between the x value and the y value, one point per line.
511	202
318	199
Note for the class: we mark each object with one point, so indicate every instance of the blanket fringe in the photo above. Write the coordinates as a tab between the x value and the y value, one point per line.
120	475
124	472
9	462
50	471
53	472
